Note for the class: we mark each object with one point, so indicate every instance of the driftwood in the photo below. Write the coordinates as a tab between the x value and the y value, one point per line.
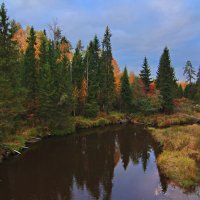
33	140
194	120
17	152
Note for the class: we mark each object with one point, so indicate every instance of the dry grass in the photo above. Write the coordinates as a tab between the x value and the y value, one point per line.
181	153
112	118
162	120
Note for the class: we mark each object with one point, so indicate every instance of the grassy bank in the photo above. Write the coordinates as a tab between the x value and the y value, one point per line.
185	112
102	120
17	142
180	158
161	120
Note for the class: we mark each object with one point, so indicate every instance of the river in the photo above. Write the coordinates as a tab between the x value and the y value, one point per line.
116	162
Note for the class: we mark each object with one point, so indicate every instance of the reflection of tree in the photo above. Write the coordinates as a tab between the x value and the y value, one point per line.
55	167
134	144
95	165
163	180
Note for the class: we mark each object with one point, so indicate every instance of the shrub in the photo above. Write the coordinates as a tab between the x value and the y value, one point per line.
91	109
102	122
14	142
148	104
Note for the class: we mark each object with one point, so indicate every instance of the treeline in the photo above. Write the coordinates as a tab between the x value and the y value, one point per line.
43	82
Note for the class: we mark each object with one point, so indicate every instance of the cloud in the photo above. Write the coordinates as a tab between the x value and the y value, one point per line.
139	27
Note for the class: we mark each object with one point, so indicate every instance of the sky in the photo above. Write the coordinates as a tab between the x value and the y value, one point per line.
139	27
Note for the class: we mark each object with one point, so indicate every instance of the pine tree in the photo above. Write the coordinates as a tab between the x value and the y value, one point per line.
30	78
77	67
43	51
92	62
125	91
64	101
189	72
166	81
11	95
45	84
145	74
197	95
106	74
58	90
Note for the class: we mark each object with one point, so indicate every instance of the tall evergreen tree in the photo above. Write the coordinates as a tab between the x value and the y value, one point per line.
10	88
30	78
78	75
45	84
56	90
189	72
125	91
166	81
63	106
106	74
92	62
77	66
145	74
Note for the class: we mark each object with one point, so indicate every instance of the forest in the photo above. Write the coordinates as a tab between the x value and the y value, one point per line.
44	82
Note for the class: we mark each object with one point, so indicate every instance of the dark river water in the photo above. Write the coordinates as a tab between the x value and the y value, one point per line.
116	162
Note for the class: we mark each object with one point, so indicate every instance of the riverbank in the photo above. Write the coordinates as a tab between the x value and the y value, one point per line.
15	144
164	121
179	137
180	158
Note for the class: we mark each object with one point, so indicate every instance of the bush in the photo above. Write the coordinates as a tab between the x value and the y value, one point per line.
65	128
91	109
148	104
102	122
81	122
115	117
14	142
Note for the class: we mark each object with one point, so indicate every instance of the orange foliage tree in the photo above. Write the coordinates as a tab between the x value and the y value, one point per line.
117	75
83	92
20	38
131	77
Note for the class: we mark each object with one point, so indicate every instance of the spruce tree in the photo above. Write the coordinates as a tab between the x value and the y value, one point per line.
77	66
189	72
30	78
61	91
145	74
92	62
166	81
125	91
45	85
11	95
106	74
63	106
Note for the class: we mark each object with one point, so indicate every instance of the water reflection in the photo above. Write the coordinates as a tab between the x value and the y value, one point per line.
114	163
